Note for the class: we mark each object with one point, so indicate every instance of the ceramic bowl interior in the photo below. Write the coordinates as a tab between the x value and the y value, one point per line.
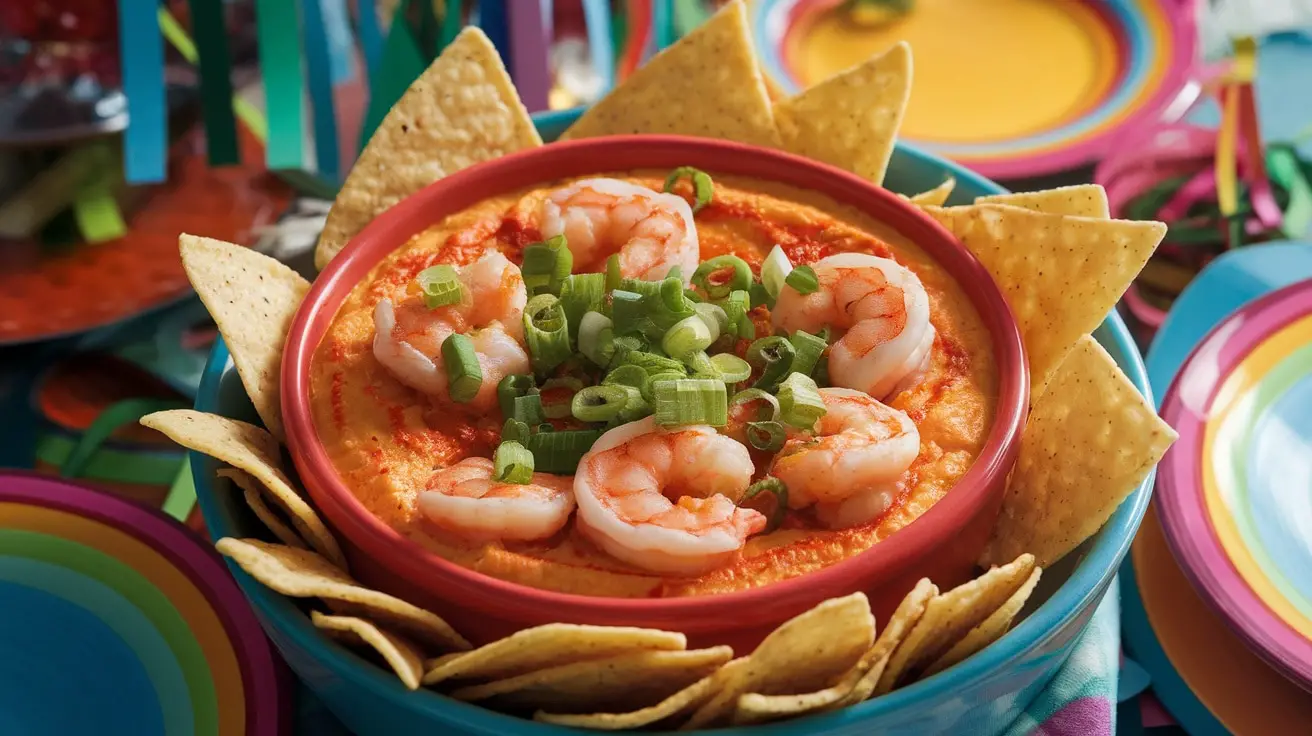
994	684
943	542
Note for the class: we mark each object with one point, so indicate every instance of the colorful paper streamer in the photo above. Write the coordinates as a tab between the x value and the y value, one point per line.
145	142
211	34
284	89
318	58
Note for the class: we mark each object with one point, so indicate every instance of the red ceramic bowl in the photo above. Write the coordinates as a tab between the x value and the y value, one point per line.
942	544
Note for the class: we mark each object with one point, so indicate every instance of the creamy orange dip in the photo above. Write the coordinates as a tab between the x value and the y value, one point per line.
386	440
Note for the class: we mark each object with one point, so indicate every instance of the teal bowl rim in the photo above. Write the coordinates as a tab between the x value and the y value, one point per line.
1086	583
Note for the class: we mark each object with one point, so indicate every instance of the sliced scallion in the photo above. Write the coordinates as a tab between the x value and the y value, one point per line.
803	280
559	393
765	436
767	411
613	276
559	452
515	431
512	387
440	286
580	294
760	296
596	338
774	269
626	375
714	317
512	463
546	265
648	389
675	272
701	365
773	356
808	349
599	403
635	407
653	363
735	308
702	186
528	409
687	336
690	401
821	371
464	376
770	497
800	403
546	330
721	275
628	312
731	368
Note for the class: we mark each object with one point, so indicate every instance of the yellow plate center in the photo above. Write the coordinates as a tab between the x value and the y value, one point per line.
985	70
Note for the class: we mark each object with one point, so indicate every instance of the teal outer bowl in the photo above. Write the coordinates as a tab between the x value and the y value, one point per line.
980	696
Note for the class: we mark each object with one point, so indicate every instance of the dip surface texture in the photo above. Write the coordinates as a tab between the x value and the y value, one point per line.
385	440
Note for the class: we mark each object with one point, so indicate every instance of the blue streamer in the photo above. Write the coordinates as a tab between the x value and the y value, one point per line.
662	23
337	24
319	74
371	35
596	15
145	142
492	19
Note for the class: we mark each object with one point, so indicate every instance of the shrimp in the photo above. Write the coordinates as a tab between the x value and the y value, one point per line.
408	338
652	231
851	467
627	485
465	500
882	312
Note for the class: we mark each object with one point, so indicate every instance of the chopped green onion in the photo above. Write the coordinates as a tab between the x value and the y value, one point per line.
770	497
641	287
464	376
635	407
803	280
760	296
746	328
626	375
710	276
735	307
692	296
690	401
702	187
686	337
512	463
580	294
675	272
765	436
823	334
560	452
440	286
628	312
821	372
545	427
773	356
559	392
714	317
546	264
732	369
627	344
808	349
546	330
774	269
701	365
648	389
514	431
599	403
653	363
512	387
596	338
800	403
528	409
613	276
751	395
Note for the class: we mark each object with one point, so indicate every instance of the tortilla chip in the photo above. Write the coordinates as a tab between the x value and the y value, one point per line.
1091	440
402	656
899	625
614	684
255	451
949	616
252	299
1080	200
936	196
707	84
772	88
461	111
254	494
669	709
990	630
1061	275
300	573
851	119
807	653
546	646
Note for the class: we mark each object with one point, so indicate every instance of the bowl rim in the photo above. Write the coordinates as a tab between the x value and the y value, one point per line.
289	626
916	540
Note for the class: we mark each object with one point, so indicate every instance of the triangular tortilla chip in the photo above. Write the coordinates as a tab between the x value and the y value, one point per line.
399	653
851	119
1061	275
990	629
707	84
1080	200
462	111
935	197
671	709
1091	440
252	299
254	494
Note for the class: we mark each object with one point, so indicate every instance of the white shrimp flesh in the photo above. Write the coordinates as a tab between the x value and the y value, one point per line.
464	499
